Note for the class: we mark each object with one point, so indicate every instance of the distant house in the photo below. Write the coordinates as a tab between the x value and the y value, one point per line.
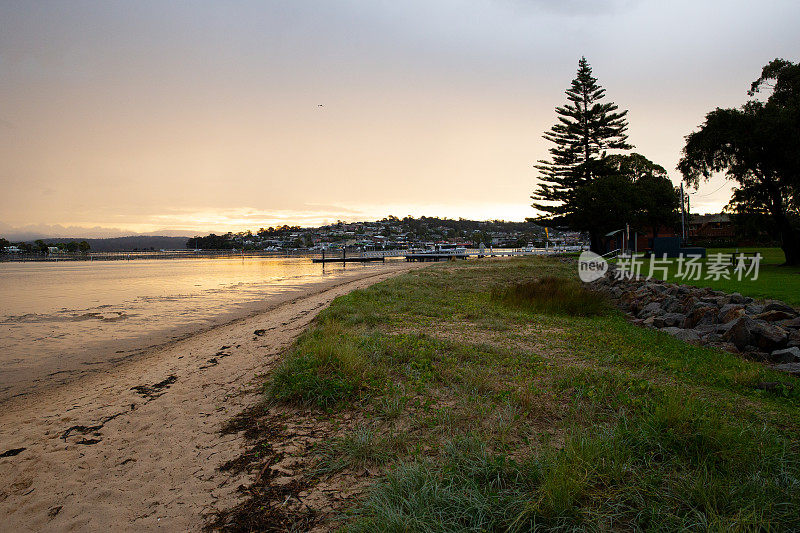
53	250
12	250
717	226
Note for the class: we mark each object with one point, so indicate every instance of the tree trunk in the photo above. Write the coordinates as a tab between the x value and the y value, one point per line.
789	235
790	242
596	243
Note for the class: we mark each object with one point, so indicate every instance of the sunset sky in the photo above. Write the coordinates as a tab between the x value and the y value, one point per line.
185	117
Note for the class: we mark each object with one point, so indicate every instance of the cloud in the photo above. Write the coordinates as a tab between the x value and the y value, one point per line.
575	7
186	222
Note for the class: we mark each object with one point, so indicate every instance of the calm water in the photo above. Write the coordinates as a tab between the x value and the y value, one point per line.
58	320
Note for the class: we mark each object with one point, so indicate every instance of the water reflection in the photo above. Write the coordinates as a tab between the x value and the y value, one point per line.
57	319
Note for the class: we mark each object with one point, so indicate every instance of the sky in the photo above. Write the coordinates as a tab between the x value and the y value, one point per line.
179	117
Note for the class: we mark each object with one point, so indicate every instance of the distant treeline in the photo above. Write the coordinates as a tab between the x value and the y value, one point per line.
40	246
212	242
115	244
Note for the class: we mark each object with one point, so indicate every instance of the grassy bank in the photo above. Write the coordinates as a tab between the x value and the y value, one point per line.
461	397
774	281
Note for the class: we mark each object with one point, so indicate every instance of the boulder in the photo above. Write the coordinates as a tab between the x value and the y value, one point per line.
794	337
651	309
688	302
717	300
737	298
701	315
793	323
770	337
754	309
730	312
774	315
654	287
792	368
777	305
740	332
686	335
672	305
669	320
786	355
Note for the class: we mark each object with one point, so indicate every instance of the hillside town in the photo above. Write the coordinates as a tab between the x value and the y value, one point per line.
391	233
388	233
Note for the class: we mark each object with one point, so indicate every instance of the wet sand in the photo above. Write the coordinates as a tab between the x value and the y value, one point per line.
137	446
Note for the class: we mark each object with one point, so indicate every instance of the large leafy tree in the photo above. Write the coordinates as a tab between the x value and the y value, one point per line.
758	147
655	200
586	130
632	190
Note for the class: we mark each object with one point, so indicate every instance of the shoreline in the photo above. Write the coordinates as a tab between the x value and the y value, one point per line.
138	444
71	363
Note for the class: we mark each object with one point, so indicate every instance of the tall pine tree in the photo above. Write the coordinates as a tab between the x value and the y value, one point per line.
587	128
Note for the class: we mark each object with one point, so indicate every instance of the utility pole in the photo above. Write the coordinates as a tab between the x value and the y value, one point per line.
688	216
683	217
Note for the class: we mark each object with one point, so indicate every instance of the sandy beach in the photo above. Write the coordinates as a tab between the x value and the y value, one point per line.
137	447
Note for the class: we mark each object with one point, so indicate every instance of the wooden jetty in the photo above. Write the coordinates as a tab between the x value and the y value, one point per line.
434	257
352	259
347	259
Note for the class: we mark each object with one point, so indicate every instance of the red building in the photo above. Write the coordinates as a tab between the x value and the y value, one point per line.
709	227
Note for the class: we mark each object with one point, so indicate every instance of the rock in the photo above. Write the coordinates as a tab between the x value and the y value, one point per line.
777	305
793	323
686	335
701	315
774	315
718	300
737	298
651	309
786	355
668	320
754	309
770	337
794	338
740	332
655	287
792	368
688	303
672	305
649	321
730	312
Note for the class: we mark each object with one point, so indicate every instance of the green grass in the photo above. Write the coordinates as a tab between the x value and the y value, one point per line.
484	409
774	281
362	447
552	295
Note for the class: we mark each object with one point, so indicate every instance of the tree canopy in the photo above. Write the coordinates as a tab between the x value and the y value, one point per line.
758	147
634	190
